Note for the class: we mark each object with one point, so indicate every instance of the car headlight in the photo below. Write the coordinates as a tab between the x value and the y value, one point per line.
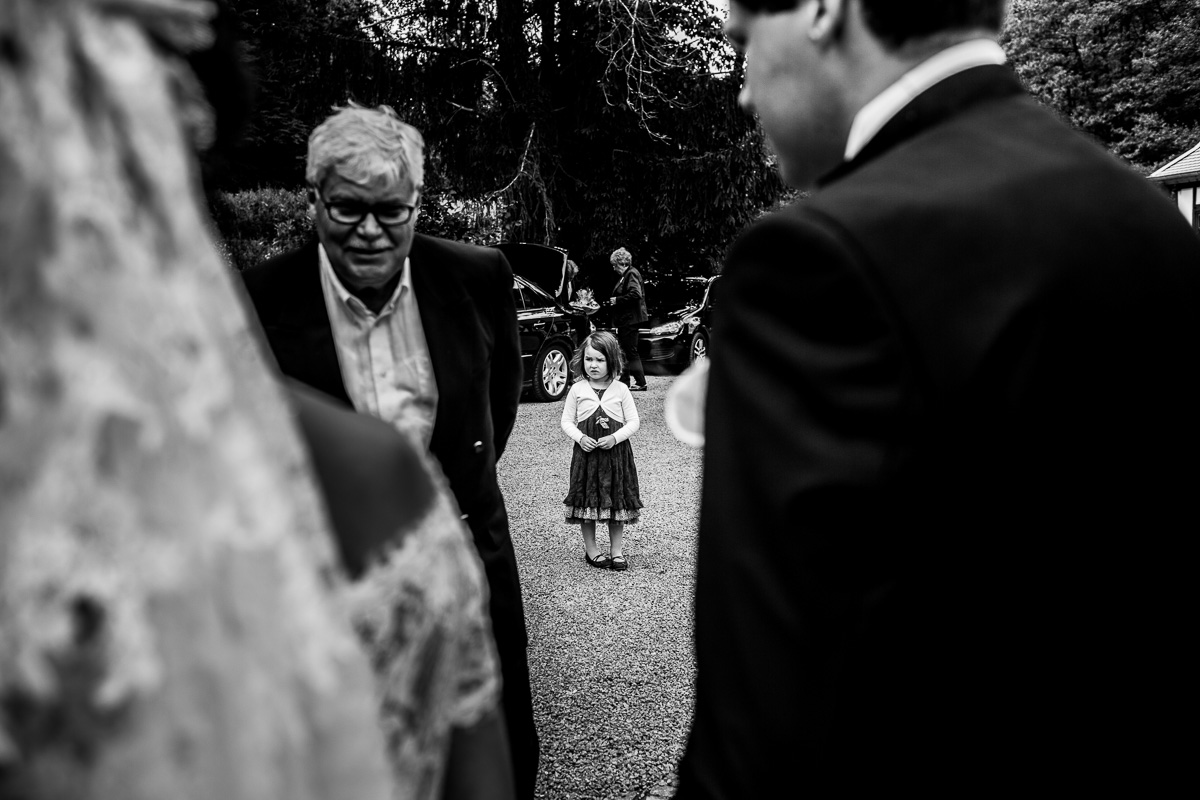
667	329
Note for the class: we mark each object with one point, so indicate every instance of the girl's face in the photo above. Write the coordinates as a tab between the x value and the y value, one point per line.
594	363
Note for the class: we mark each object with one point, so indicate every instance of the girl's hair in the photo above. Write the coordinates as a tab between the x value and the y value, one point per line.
604	343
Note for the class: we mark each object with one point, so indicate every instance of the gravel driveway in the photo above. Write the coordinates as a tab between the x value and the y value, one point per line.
610	653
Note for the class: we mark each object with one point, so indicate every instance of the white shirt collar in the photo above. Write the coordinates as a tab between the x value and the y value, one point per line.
871	118
352	302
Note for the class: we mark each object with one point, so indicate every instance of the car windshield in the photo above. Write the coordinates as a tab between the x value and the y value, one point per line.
536	296
669	296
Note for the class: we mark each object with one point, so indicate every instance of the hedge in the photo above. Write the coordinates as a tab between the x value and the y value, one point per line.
255	224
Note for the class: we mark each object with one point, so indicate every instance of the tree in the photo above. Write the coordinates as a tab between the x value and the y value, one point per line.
308	56
583	123
167	621
1122	71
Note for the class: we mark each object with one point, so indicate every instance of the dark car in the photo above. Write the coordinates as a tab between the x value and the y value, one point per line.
543	265
549	331
680	324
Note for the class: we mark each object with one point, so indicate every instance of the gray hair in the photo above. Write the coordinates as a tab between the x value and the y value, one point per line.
620	256
363	143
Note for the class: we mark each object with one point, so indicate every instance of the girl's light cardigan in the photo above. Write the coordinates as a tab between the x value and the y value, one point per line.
617	404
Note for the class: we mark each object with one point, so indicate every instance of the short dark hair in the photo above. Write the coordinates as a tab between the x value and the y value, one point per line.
896	22
606	344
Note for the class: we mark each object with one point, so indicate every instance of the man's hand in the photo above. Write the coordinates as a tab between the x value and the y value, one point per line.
606	442
588	444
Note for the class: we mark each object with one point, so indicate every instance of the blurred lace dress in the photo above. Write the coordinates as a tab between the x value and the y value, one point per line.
421	611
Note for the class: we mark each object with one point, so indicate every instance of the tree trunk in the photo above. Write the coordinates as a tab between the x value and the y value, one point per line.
168	624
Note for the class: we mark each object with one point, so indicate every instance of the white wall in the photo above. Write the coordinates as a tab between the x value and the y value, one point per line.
1186	200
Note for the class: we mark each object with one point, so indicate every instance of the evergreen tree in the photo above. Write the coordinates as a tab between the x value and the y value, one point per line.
1123	71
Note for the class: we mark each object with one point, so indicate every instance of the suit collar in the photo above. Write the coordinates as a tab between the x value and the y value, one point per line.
307	301
935	105
446	316
441	299
625	277
872	117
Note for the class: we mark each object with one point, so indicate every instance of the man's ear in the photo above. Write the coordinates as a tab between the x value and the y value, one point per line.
826	20
312	204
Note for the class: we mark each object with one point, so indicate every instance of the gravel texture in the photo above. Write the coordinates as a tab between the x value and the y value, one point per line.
610	653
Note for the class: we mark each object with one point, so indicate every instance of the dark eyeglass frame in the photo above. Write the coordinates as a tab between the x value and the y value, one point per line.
338	212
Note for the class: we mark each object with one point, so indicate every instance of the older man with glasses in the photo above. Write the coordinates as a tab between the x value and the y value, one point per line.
417	331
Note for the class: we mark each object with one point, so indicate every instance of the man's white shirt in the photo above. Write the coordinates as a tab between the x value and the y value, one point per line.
384	357
871	118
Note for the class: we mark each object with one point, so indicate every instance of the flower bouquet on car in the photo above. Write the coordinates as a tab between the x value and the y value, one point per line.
585	301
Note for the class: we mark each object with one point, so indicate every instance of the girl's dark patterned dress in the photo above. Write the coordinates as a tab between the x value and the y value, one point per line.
604	483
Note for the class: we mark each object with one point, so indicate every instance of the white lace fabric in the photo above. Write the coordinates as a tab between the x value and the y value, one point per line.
422	614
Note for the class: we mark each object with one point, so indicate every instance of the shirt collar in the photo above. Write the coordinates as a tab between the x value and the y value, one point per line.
350	301
871	118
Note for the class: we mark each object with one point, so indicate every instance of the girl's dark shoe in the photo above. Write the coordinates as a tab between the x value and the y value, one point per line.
601	561
619	563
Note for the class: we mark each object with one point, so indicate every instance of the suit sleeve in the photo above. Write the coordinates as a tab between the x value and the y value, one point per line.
635	287
813	368
506	359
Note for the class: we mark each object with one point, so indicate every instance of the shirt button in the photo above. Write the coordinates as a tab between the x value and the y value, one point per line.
479	447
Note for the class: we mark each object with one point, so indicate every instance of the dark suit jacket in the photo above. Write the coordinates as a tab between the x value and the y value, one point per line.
469	317
945	420
629	299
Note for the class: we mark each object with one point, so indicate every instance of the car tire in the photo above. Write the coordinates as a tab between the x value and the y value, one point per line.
698	350
552	373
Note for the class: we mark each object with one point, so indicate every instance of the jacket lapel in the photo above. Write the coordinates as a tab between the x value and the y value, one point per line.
933	106
444	310
301	334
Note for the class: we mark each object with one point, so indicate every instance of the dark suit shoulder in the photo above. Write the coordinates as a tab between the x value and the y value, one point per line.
278	283
801	268
450	271
1006	165
1001	209
461	257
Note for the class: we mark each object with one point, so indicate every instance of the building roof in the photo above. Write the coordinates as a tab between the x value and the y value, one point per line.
1181	169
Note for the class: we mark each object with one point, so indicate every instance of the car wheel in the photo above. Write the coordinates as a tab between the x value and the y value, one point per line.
551	374
699	349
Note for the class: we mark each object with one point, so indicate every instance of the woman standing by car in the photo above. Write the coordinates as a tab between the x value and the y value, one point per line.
629	312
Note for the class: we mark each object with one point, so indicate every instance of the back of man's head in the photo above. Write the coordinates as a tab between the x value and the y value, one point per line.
899	22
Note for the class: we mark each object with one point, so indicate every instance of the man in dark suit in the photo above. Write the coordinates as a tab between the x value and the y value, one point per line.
418	331
951	434
629	312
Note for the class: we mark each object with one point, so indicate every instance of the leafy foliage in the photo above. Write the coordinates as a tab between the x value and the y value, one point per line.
1123	71
588	124
256	224
307	56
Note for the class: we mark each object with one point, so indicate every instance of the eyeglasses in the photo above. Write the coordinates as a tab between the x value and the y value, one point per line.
348	212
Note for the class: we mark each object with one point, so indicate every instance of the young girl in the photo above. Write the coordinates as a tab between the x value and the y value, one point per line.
599	416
